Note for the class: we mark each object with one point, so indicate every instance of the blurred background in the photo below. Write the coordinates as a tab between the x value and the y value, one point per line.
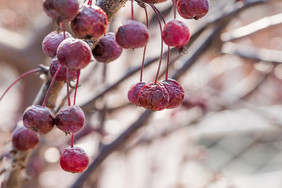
226	134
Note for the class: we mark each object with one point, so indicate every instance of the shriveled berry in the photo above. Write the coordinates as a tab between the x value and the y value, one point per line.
175	33
52	41
62	74
90	22
74	159
61	10
133	93
192	9
153	96
175	91
38	118
107	49
24	139
74	53
70	119
132	34
153	1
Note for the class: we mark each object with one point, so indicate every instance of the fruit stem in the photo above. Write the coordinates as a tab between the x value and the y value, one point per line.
76	86
167	63
49	89
64	28
89	3
145	47
132	10
71	139
68	90
174	9
19	78
160	14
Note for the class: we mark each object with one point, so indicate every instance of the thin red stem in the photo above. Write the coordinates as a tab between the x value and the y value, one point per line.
132	10
167	63
145	47
64	28
76	86
174	9
72	139
68	89
19	78
49	89
160	14
89	3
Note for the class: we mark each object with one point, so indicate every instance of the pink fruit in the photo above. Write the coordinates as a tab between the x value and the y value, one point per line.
153	1
175	33
62	75
38	118
132	34
24	139
133	93
90	22
107	49
175	91
74	53
74	159
192	9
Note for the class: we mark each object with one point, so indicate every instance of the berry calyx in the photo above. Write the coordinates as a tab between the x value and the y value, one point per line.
192	9
62	74
175	91
70	119
107	49
74	159
133	93
153	1
74	53
38	118
132	34
24	139
90	22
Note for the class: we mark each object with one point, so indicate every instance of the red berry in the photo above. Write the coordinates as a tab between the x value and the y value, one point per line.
74	53
133	93
38	118
153	1
90	22
175	33
62	75
175	91
107	49
70	119
74	159
192	9
132	34
52	41
24	139
153	96
61	10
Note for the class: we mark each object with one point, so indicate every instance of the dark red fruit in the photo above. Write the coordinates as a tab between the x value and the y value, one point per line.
133	93
38	118
62	75
153	96
90	22
192	9
132	34
24	139
74	53
52	41
70	119
175	91
153	1
61	10
107	49
74	159
175	33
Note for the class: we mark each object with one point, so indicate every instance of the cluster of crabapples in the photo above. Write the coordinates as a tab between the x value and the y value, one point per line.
70	55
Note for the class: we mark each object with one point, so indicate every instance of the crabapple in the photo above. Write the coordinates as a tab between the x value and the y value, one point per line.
62	75
192	9
175	91
133	93
24	139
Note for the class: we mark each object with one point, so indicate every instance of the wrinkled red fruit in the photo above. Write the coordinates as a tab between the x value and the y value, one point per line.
74	53
107	49
24	139
52	41
153	1
192	9
62	75
133	93
74	159
90	22
175	33
153	96
61	10
70	119
132	34
175	91
38	118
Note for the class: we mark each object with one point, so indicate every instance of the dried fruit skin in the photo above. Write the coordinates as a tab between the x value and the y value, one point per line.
74	159
175	33
62	75
38	118
192	9
74	53
52	41
133	93
153	96
107	49
90	22
153	1
175	91
70	119
24	139
61	10
132	34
